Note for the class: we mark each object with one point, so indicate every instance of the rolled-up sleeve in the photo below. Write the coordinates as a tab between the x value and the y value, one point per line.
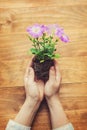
68	126
12	125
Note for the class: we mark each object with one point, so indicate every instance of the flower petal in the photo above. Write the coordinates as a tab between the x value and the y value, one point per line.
64	38
59	32
44	28
52	29
35	31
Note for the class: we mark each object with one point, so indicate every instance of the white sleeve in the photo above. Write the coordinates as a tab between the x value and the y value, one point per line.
68	126
12	125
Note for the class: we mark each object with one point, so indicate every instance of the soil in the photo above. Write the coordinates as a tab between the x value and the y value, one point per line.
42	69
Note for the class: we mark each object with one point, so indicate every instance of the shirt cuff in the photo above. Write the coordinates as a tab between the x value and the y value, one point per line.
12	125
68	126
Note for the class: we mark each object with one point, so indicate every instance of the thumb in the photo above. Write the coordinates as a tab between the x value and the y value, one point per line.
52	73
31	74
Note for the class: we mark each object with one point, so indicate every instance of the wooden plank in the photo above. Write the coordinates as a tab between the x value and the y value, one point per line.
15	19
16	46
34	3
75	36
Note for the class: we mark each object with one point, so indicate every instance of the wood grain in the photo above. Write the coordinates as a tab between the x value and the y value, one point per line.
15	16
13	98
17	19
34	3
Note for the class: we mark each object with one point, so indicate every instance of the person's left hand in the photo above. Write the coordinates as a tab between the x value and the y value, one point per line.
34	88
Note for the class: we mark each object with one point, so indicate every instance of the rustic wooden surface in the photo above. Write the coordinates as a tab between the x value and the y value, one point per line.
15	16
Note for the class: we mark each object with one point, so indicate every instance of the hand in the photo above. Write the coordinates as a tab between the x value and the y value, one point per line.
34	88
55	107
52	85
34	95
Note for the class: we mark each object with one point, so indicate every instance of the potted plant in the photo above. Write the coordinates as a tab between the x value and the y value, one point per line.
45	39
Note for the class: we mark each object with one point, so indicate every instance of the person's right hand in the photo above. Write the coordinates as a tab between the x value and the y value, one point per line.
34	88
52	85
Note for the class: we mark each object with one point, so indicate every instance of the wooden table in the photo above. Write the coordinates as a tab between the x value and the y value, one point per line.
15	16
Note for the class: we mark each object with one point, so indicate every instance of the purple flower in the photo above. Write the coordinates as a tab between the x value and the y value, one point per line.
35	31
52	29
44	28
64	38
59	32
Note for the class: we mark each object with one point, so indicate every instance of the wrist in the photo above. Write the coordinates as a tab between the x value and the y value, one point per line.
52	100
32	103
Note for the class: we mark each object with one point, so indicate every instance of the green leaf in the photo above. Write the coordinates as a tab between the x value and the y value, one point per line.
57	55
33	50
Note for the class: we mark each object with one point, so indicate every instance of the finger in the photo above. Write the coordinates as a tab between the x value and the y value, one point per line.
31	74
58	75
52	73
27	69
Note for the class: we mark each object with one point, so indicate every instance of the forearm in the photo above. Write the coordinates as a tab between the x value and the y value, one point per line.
27	112
58	116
